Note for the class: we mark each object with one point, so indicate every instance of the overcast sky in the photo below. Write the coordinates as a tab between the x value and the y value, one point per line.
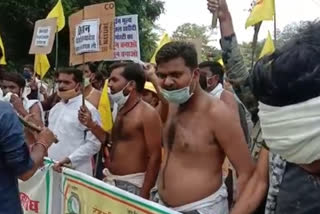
179	12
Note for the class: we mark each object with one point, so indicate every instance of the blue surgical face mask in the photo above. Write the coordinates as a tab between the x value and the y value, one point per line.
179	96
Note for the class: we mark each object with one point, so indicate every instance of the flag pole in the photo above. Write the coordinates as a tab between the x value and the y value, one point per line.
56	62
275	24
83	62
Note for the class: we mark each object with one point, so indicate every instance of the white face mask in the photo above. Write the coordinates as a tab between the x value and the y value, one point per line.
119	97
86	81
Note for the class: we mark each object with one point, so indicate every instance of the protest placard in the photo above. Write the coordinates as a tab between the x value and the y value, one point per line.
87	36
35	194
105	13
84	194
43	36
126	38
48	192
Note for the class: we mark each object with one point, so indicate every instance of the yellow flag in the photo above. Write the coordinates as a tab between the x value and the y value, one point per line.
57	12
165	39
104	109
41	64
221	62
268	47
3	58
264	10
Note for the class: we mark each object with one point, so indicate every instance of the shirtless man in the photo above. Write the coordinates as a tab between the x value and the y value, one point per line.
91	94
135	153
15	84
199	133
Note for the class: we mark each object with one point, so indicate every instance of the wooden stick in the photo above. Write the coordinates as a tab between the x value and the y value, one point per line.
32	126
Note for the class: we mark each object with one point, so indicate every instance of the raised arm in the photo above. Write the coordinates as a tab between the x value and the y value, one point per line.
236	70
150	72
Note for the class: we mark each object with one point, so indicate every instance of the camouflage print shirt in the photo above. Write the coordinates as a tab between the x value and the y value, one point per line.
239	76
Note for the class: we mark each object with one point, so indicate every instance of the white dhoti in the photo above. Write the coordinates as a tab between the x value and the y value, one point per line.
217	203
131	183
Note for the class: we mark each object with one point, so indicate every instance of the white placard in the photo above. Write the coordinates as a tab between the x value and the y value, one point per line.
87	36
126	38
42	36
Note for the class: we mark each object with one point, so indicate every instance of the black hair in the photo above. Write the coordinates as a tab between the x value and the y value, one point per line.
292	74
77	74
173	50
14	77
116	65
215	68
99	76
92	67
134	72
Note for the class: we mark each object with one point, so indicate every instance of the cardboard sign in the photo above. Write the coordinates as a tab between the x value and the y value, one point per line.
43	36
87	36
104	12
126	39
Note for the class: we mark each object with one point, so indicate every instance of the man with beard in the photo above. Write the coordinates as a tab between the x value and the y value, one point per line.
135	150
77	144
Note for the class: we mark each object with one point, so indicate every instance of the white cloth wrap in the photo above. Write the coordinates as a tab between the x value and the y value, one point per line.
292	131
136	179
217	203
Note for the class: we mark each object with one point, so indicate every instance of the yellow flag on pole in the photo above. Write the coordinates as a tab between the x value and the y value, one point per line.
41	64
268	47
104	109
57	12
220	61
264	10
3	58
165	39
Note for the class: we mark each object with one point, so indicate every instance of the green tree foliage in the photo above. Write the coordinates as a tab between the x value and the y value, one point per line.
17	18
246	50
189	31
289	32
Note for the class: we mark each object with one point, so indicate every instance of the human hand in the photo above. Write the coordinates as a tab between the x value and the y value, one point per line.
43	90
17	104
58	165
220	6
85	117
150	71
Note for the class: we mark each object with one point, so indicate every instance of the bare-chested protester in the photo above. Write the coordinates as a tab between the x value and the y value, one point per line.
199	133
135	153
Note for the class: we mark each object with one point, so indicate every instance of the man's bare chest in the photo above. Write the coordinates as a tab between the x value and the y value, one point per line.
188	134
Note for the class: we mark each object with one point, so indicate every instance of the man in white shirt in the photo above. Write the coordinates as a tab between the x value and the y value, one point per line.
76	145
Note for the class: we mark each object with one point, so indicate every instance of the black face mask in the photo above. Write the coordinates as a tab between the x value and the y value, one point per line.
203	82
27	76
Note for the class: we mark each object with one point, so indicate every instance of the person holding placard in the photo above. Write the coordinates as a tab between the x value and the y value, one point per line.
135	149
